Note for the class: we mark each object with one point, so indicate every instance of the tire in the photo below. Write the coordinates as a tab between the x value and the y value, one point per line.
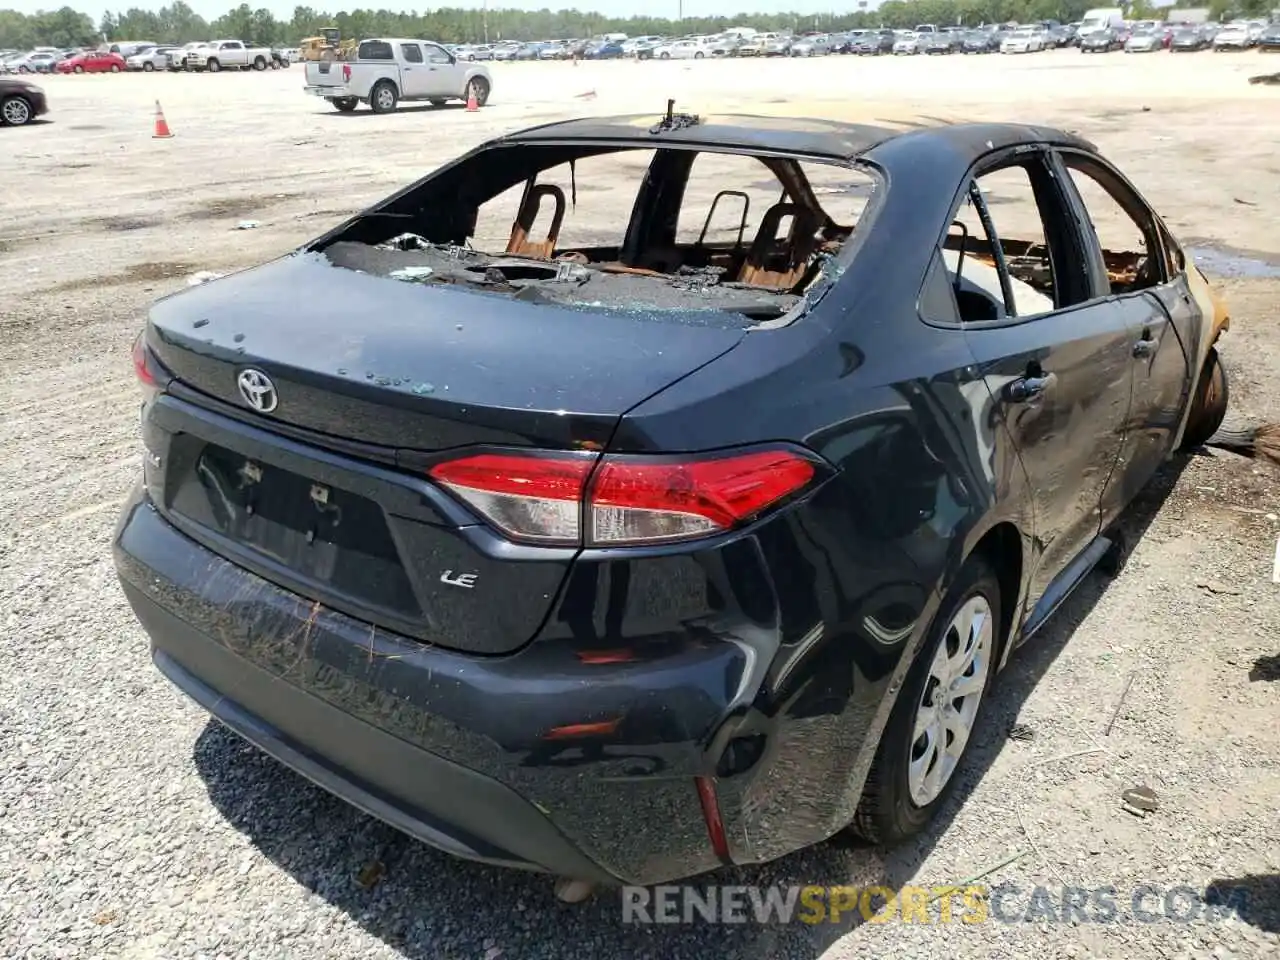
1208	404
344	104
888	813
115	68
480	87
15	112
213	66
147	66
383	97
78	68
259	63
664	56
698	55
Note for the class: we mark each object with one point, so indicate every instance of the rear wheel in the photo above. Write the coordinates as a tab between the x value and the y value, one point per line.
344	104
213	65
1209	404
383	97
259	63
147	66
925	740
115	68
79	69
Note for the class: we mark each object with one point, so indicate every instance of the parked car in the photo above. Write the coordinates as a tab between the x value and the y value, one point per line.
554	51
726	46
1269	39
99	61
505	51
1101	40
754	46
906	45
1189	39
155	58
20	102
941	42
527	647
1236	35
604	51
227	55
981	41
810	47
1145	40
37	61
1023	40
684	50
384	72
876	42
778	46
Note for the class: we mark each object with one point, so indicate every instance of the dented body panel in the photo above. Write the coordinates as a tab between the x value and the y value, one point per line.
560	707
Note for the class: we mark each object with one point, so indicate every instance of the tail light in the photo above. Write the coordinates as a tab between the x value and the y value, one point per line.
620	500
140	367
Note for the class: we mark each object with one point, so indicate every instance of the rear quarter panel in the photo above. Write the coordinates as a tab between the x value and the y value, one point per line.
925	469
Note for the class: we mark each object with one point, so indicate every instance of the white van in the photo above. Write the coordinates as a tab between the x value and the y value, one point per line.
1101	19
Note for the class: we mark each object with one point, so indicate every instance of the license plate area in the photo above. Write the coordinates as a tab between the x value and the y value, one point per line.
323	535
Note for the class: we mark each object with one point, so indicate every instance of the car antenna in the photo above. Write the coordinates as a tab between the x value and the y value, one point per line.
673	120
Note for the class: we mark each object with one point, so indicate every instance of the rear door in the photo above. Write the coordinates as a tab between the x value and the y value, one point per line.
1137	272
1056	360
415	80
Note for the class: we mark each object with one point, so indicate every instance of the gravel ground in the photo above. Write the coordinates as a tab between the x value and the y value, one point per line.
131	826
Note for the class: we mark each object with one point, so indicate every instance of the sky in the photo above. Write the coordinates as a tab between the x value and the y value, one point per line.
210	9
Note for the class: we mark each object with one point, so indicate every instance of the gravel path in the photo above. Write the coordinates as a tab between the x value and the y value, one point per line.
131	826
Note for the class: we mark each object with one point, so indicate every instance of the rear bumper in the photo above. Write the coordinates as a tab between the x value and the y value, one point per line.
449	747
330	92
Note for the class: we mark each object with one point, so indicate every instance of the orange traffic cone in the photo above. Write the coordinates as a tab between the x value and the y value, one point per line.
162	127
472	106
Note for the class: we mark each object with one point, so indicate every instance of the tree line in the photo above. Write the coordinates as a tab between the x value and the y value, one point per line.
178	23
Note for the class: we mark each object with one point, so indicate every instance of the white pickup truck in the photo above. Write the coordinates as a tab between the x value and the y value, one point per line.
384	72
227	55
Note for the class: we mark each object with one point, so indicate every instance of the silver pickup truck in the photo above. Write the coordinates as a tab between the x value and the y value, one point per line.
384	72
227	55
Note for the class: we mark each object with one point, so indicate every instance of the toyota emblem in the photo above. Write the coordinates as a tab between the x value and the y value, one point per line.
257	389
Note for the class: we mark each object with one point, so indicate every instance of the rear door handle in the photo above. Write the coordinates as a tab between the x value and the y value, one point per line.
1029	388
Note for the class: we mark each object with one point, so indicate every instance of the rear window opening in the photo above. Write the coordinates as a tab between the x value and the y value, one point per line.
607	227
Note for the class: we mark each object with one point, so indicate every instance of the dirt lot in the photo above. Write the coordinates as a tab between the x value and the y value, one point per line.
130	826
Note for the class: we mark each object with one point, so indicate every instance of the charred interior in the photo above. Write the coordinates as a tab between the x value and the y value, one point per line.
616	226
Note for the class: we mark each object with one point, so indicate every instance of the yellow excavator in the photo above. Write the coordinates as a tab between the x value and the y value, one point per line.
328	46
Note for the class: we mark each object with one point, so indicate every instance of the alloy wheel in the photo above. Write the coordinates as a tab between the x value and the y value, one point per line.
949	703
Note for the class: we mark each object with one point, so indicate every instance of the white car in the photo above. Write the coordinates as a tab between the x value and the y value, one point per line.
1234	36
157	58
1023	40
906	45
684	50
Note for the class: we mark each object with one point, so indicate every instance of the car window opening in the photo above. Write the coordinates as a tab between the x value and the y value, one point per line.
596	226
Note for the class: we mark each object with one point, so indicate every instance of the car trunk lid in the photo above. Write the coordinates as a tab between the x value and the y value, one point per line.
366	369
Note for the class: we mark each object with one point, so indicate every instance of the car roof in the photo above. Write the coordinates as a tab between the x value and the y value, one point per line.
834	139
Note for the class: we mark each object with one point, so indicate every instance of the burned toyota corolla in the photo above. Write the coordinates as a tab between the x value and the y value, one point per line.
635	496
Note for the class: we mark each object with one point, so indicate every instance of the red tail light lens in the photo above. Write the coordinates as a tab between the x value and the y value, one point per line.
633	501
140	368
630	500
